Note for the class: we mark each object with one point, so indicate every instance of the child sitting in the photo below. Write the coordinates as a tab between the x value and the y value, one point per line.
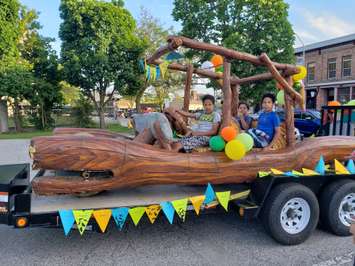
207	125
268	129
243	118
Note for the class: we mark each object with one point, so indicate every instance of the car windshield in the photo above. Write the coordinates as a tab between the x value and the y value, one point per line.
315	113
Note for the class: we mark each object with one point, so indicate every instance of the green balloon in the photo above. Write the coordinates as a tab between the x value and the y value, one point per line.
280	97
217	143
350	103
247	141
297	86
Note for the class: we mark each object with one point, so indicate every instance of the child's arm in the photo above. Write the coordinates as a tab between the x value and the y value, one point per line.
245	125
212	132
186	114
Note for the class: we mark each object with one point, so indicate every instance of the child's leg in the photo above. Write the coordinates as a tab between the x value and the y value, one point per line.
260	138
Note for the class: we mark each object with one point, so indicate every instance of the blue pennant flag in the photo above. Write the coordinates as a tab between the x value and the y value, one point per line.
350	166
120	216
67	218
289	173
210	195
168	210
157	75
141	65
320	168
173	56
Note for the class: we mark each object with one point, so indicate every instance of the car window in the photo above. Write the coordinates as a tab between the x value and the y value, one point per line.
298	115
307	116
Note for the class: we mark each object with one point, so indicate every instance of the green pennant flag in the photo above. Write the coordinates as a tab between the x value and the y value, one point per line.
82	218
180	207
136	214
223	198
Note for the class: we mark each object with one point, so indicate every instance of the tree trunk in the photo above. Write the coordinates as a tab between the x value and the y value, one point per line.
101	112
4	117
139	98
187	91
17	116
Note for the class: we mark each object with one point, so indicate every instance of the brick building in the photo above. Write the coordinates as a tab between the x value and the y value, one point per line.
331	70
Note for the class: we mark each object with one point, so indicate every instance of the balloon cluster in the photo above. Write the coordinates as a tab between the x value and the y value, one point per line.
235	146
297	84
215	64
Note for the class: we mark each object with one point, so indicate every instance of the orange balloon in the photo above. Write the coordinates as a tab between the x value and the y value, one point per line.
217	60
228	133
334	103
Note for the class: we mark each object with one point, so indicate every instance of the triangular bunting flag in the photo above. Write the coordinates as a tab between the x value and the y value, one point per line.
340	169
263	174
197	202
157	71
152	212
168	210
320	168
309	172
67	218
102	218
120	216
350	166
209	193
163	68
276	172
297	173
223	198
147	73
136	214
152	73
180	207
289	173
82	218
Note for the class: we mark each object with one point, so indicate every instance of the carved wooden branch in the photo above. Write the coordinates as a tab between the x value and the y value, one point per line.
227	93
189	72
287	87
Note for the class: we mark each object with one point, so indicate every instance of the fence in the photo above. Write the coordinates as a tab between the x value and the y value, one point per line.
337	120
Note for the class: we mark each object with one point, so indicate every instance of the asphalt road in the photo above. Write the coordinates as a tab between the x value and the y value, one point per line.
213	239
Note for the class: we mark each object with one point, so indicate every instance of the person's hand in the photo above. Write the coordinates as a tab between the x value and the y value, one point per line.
188	133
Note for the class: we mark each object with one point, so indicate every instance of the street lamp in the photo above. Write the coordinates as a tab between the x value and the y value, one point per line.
303	48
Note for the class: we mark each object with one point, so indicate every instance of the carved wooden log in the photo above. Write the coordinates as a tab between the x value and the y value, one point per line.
225	52
134	164
287	87
187	92
235	99
92	131
227	94
289	120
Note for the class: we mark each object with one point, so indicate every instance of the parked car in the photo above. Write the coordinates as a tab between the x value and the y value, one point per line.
308	122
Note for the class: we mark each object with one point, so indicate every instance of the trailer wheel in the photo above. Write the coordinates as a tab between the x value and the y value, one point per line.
337	206
290	213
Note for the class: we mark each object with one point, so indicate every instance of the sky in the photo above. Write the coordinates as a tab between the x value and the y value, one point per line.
313	21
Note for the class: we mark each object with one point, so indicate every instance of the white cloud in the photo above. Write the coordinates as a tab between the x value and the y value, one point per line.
327	25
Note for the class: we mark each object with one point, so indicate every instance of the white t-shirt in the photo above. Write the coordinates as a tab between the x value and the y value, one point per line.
205	121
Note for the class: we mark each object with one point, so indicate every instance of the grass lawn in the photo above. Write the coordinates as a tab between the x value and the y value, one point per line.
36	133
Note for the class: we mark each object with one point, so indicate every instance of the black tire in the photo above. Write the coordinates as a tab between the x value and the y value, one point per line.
271	212
330	201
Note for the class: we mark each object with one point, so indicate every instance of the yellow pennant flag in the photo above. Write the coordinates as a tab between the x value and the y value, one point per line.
153	73
263	174
136	214
223	198
197	202
297	173
309	172
276	172
152	212
102	218
180	207
163	68
82	218
340	169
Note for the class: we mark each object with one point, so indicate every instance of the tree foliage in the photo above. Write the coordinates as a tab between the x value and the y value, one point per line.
252	26
99	48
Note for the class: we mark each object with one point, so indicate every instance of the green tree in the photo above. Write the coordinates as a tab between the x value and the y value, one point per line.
99	48
70	93
252	26
153	33
9	10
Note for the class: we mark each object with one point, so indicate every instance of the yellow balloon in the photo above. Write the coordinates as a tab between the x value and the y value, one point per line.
301	75
235	150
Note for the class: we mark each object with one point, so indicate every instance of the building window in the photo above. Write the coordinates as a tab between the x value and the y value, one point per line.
344	95
332	65
346	66
311	70
330	94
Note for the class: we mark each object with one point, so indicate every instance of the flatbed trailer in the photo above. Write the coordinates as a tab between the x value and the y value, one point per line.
290	207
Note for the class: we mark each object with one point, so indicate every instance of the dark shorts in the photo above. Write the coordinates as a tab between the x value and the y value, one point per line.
261	139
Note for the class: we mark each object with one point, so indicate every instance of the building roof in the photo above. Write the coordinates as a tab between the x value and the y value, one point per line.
327	43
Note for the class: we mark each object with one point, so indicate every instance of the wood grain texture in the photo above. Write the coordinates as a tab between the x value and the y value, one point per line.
187	91
134	164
